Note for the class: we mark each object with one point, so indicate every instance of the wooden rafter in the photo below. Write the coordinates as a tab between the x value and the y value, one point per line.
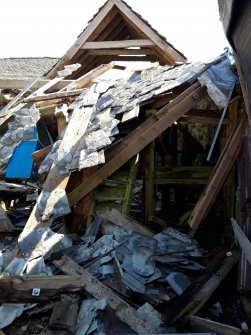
117	44
116	26
140	138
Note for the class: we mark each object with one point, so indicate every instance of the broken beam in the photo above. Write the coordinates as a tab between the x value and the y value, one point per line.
19	84
52	96
39	155
219	175
140	138
19	289
242	239
99	291
197	294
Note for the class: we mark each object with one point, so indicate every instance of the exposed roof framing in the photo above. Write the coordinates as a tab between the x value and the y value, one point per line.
116	32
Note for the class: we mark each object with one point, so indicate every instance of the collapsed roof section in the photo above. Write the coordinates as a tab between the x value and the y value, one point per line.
117	33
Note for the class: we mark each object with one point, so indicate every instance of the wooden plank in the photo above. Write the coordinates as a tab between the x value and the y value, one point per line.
64	315
202	119
149	204
106	59
170	54
98	45
130	185
149	155
184	181
209	287
5	223
124	221
219	175
52	96
39	155
19	84
140	138
229	187
17	98
201	324
99	20
116	52
88	77
18	289
81	212
242	239
183	172
61	122
99	291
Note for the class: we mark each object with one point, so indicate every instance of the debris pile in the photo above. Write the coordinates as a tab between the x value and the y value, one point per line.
104	184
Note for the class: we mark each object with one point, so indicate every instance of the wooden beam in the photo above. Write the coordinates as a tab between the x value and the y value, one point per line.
242	239
119	58
98	290
197	294
20	289
219	175
201	324
170	53
130	185
101	20
183	172
19	84
97	45
121	220
149	156
39	155
202	119
61	123
181	181
64	315
17	98
79	220
88	77
140	138
52	96
117	52
209	287
5	223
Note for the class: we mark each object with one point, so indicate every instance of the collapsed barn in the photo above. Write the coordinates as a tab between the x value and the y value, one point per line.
120	191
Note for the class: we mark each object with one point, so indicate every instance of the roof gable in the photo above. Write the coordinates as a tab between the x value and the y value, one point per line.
112	35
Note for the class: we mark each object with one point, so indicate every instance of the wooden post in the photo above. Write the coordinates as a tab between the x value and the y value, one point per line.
139	139
229	186
219	175
149	156
130	185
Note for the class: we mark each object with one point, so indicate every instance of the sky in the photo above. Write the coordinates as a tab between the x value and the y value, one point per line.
31	28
